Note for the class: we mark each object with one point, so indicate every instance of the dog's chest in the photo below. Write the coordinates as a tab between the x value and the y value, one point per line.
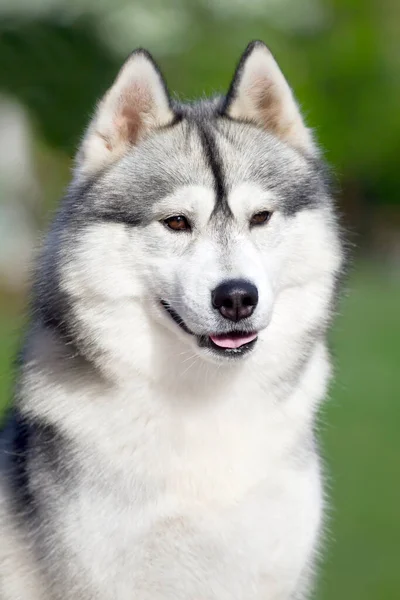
217	509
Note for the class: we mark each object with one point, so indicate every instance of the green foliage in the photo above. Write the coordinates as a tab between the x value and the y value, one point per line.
362	445
58	70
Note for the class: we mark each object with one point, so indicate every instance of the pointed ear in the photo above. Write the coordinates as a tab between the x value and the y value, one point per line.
136	104
259	93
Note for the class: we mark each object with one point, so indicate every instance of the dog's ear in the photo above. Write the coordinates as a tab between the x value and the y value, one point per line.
137	103
260	94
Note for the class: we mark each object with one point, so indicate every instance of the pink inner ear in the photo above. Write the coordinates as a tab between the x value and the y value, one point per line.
268	103
134	106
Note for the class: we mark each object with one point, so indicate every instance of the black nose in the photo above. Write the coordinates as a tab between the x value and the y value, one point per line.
235	299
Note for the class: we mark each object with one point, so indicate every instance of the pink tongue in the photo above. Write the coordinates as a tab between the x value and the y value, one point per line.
229	341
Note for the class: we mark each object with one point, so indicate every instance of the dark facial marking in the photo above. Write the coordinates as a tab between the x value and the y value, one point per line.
175	317
215	163
116	214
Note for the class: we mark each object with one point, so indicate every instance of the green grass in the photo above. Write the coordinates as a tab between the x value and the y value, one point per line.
361	444
360	440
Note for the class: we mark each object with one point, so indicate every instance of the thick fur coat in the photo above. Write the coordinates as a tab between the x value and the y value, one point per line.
161	443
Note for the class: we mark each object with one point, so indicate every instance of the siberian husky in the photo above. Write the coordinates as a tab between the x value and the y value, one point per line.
161	443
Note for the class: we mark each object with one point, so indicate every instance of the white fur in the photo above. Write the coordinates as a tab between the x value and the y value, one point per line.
207	486
201	485
198	477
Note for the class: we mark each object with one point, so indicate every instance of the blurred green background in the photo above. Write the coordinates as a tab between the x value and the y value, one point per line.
342	58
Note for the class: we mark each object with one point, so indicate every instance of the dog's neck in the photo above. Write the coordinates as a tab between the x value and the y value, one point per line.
170	368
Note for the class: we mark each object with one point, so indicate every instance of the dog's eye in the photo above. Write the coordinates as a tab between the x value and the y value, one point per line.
260	218
177	223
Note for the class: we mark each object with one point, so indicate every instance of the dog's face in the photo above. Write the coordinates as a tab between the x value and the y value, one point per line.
203	219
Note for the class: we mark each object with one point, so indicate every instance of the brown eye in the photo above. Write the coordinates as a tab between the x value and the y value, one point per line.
177	223
261	218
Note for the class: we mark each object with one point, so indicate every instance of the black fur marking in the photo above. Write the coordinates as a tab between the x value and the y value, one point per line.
116	214
18	472
6	437
203	116
32	447
215	163
175	317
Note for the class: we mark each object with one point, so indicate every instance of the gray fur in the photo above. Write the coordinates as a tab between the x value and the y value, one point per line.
130	472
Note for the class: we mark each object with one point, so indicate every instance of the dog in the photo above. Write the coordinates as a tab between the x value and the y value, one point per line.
161	442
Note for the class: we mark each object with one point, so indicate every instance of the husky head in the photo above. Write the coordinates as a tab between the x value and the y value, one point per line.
207	226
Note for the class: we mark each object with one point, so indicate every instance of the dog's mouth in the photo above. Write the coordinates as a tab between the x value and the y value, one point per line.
233	343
